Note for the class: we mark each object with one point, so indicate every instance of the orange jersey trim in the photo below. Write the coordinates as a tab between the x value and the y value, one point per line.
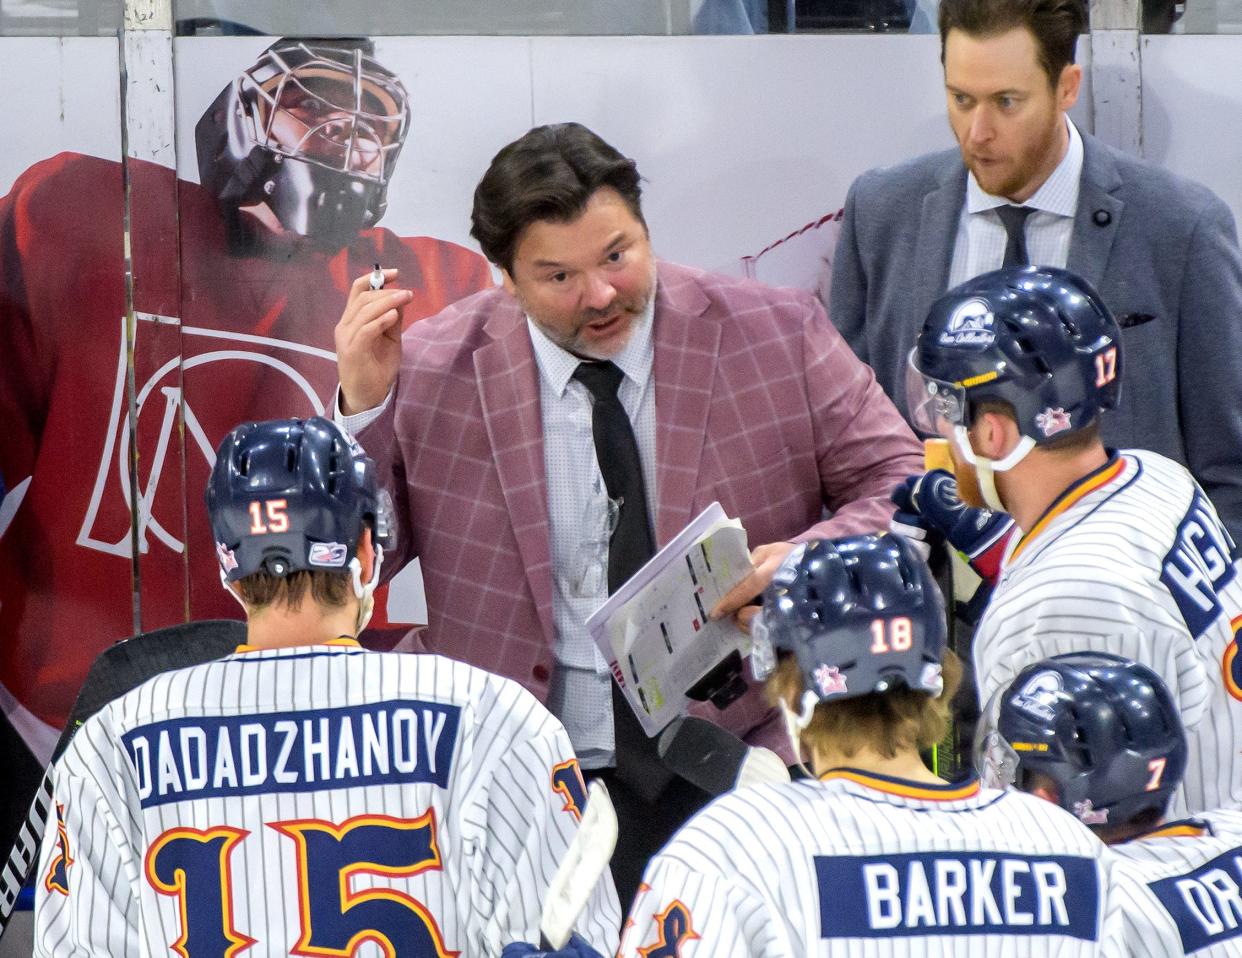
1102	478
342	641
897	786
1177	831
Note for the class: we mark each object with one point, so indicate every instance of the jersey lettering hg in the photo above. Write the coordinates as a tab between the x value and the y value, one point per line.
307	800
1180	888
1132	560
864	864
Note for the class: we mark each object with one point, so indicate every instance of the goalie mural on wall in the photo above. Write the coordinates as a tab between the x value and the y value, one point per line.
236	292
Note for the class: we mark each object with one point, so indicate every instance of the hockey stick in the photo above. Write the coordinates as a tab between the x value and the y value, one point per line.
946	754
118	669
585	860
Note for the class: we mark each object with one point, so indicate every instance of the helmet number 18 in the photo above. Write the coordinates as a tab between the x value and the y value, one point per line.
891	635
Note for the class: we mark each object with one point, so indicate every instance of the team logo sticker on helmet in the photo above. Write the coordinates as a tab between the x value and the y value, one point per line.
1052	421
829	680
1039	696
1088	814
970	325
331	554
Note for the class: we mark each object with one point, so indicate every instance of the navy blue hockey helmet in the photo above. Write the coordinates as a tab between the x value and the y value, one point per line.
860	614
1105	729
293	494
1037	338
313	129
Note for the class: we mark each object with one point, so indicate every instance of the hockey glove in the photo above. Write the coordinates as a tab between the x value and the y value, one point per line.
929	503
576	947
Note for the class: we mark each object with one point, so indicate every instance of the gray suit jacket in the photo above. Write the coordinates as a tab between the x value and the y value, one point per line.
1149	241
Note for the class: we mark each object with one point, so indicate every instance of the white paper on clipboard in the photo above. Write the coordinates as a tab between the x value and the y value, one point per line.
654	632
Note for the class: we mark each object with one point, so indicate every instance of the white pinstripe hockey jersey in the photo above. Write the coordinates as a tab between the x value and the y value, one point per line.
864	865
1132	560
307	801
1180	888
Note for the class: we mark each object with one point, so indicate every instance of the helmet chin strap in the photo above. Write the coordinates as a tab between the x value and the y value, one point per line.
224	581
986	468
796	722
365	592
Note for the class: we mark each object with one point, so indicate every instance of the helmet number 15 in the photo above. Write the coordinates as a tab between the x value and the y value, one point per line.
1106	367
269	516
891	635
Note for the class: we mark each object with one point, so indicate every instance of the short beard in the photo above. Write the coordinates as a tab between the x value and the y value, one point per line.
573	343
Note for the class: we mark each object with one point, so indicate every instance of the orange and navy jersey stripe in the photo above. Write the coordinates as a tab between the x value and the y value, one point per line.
1186	828
1075	493
342	641
947	792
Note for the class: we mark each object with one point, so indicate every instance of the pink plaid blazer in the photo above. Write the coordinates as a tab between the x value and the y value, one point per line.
759	404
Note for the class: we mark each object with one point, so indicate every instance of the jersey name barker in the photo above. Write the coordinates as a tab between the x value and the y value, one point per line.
395	742
957	893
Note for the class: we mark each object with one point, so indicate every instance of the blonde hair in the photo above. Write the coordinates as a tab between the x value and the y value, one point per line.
887	722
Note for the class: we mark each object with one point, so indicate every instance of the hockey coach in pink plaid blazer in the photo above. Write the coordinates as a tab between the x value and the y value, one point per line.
735	392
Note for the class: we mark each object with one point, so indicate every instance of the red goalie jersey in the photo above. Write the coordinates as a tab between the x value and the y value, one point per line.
245	334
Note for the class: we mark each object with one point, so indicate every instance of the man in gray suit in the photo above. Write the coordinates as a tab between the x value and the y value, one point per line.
1026	186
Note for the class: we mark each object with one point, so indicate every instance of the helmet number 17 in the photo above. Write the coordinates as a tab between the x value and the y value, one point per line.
1106	367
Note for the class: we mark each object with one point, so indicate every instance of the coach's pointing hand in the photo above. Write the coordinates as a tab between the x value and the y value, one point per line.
368	343
766	560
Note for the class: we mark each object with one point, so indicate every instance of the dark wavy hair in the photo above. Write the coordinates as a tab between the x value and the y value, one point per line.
548	174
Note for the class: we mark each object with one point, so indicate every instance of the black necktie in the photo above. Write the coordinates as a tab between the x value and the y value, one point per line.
1014	220
630	545
616	450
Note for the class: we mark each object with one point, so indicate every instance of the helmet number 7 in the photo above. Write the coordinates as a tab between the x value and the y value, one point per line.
1156	767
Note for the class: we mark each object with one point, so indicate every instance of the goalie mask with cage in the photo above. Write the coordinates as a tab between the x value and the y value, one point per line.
313	130
1038	339
860	614
292	494
1101	729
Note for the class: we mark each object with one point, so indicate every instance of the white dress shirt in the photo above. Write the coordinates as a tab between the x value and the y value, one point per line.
578	511
981	237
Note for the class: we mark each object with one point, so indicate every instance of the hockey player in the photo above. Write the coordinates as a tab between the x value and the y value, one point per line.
1120	551
236	291
303	795
1101	737
874	855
